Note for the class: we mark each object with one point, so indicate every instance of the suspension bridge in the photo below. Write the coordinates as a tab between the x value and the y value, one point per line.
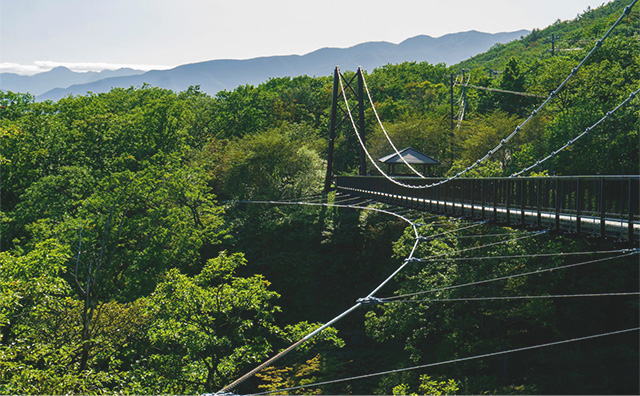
601	206
608	206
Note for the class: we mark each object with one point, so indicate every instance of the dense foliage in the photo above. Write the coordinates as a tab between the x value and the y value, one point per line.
128	264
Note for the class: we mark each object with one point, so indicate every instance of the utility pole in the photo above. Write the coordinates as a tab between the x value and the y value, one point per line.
332	131
452	123
363	160
464	88
552	40
451	92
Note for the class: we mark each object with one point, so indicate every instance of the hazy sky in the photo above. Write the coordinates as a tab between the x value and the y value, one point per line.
36	35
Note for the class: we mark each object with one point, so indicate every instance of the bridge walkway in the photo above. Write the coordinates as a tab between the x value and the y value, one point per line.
593	205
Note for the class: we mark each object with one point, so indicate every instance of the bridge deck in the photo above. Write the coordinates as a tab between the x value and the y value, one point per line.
591	213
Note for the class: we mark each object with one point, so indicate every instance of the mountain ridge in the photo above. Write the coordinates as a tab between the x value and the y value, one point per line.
40	83
226	74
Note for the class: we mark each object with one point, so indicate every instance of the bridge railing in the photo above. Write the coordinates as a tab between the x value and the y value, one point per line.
606	205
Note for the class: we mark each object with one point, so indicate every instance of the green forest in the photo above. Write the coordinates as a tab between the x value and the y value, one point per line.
129	265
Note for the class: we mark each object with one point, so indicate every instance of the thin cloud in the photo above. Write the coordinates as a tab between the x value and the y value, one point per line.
79	67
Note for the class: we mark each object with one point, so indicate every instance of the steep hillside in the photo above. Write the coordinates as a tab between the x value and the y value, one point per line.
569	36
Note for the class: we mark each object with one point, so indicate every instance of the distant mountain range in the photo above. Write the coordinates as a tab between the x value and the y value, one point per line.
58	77
217	75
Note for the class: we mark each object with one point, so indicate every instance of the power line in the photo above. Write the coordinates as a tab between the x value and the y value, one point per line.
486	355
539	271
480	247
502	91
464	299
626	11
537	255
331	205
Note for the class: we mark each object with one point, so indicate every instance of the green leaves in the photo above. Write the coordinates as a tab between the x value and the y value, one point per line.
279	163
217	322
435	331
30	281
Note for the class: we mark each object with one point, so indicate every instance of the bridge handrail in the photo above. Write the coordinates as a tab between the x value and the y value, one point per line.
607	204
413	178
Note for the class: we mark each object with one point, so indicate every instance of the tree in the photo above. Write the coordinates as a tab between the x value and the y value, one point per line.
482	134
278	163
513	79
321	367
14	105
38	325
429	386
208	327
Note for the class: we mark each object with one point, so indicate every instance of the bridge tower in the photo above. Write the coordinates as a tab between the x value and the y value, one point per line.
334	123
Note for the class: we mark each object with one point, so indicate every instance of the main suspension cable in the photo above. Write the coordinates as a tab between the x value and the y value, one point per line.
501	90
384	130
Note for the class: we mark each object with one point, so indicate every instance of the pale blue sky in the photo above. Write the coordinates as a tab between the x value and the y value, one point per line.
94	34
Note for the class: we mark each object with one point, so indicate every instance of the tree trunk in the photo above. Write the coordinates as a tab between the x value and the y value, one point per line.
87	316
